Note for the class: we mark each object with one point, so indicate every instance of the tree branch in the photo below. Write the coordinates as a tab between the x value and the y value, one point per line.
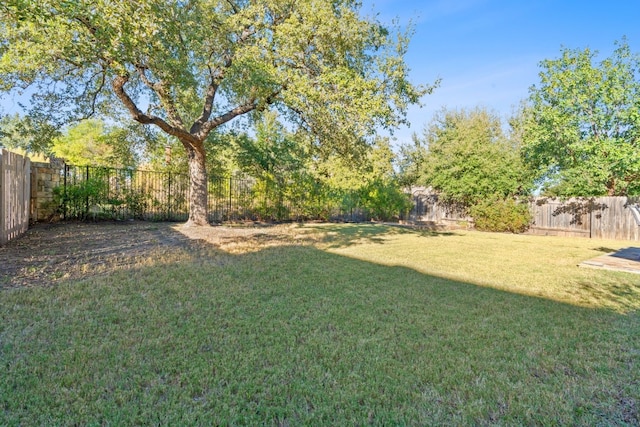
234	7
208	101
208	126
217	76
118	88
303	118
248	106
165	98
96	92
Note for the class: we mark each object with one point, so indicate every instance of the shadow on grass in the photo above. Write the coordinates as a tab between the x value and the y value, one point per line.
605	250
292	335
344	235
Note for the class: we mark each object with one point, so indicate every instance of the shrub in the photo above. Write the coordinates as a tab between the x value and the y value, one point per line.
502	215
385	200
77	199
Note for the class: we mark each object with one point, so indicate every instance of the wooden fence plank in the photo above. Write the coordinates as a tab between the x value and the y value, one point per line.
15	192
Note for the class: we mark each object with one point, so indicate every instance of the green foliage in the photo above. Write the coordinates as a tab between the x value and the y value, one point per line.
384	200
189	68
581	125
27	134
501	215
273	154
366	180
90	142
469	158
381	193
293	182
92	193
77	200
277	158
411	162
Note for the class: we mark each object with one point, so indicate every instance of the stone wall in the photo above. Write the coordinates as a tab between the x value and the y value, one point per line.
44	178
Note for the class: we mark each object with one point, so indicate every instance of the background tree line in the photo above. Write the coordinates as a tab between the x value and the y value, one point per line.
305	100
577	135
280	160
196	71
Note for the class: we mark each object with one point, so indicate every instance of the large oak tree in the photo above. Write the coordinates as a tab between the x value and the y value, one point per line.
190	66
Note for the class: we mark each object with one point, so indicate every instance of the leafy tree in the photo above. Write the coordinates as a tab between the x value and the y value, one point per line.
411	162
361	166
91	142
380	189
581	125
189	67
275	154
29	135
469	158
367	180
279	159
379	161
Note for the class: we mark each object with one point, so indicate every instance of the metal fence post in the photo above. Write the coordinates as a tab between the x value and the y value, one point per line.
86	183
169	199
65	170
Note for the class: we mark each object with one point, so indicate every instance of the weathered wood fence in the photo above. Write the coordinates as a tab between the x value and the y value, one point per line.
600	217
428	208
15	192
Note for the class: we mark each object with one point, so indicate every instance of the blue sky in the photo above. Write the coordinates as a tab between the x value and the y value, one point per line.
487	51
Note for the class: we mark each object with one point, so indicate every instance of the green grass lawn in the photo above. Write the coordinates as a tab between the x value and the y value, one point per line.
337	325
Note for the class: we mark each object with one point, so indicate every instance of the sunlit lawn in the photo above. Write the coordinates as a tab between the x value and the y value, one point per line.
342	325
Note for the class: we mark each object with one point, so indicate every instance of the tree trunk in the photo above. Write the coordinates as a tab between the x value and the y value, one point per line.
198	195
611	187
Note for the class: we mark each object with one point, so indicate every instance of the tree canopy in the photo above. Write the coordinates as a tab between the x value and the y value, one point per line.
468	158
30	136
189	67
92	142
582	122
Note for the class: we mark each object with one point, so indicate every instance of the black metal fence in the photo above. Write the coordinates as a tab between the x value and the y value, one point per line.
89	192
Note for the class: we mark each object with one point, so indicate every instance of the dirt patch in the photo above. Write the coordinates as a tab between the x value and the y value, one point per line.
50	253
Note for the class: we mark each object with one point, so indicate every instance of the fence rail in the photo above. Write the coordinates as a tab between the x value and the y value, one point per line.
15	193
88	192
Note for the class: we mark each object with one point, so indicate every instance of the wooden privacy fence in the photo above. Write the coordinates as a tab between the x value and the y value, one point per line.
15	192
427	207
599	217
